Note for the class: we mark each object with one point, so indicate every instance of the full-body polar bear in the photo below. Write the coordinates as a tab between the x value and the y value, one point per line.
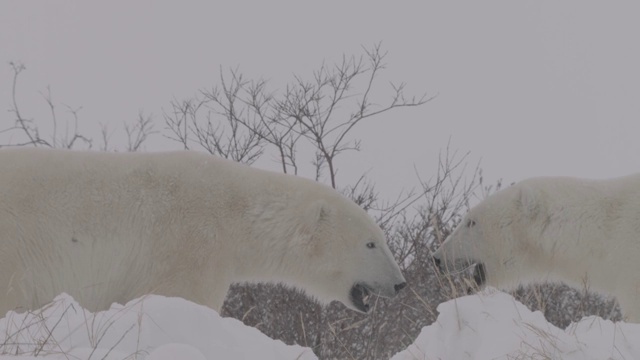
108	227
558	229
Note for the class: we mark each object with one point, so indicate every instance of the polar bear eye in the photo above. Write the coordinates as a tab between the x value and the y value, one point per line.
471	223
371	245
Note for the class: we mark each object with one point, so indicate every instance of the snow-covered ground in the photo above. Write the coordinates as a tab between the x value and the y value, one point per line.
492	325
152	328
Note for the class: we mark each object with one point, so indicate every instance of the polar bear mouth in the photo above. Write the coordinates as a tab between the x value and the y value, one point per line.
479	274
360	295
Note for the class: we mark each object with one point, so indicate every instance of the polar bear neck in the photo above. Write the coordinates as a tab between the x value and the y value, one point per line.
246	214
274	220
581	234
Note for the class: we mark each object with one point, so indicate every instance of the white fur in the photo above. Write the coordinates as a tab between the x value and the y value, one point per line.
108	227
557	229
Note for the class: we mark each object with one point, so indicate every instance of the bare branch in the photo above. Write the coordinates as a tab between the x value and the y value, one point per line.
70	140
140	132
105	136
179	119
30	130
22	124
48	98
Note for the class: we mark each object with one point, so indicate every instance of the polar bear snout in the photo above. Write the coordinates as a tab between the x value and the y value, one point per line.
388	290
360	294
474	268
438	263
480	274
443	266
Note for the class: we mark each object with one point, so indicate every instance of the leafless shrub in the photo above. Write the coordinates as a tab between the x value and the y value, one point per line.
138	133
64	133
240	118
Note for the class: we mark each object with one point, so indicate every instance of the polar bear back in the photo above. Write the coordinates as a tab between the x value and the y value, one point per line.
60	210
108	227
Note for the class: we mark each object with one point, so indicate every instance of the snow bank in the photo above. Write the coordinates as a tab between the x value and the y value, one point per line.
152	327
493	325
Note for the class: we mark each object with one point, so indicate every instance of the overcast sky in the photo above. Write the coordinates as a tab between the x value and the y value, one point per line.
530	88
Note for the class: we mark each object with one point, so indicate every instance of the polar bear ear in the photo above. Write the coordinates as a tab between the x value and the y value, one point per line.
529	201
314	214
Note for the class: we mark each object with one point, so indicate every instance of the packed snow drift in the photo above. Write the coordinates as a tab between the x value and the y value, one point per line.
490	325
152	328
493	325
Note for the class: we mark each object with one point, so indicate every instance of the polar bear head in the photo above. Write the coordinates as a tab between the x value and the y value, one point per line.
350	255
500	239
333	250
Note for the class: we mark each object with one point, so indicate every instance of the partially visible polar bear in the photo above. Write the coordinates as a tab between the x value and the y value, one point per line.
108	227
555	229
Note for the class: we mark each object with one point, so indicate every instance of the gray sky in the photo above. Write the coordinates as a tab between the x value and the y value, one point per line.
531	88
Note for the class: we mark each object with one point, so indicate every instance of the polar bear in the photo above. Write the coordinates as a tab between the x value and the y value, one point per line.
571	230
109	227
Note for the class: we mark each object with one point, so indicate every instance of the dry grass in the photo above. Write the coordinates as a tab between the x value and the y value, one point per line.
49	331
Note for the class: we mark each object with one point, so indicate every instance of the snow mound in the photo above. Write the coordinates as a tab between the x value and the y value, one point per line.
151	327
493	325
176	351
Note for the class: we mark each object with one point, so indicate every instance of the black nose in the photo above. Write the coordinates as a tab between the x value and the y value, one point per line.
436	261
399	287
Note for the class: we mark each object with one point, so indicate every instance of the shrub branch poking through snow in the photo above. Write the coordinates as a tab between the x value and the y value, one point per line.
150	327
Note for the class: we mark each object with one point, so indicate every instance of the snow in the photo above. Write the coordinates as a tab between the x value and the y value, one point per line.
152	327
489	325
493	325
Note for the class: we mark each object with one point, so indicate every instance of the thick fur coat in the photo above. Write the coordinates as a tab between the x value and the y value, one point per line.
108	227
581	232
